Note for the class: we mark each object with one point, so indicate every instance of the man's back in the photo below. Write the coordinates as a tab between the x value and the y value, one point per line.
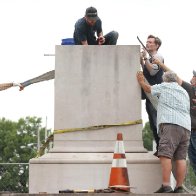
173	105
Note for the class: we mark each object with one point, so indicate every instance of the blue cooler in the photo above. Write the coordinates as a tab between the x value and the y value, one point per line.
68	41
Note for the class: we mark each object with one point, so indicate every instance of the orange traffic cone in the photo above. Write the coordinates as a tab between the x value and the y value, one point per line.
119	179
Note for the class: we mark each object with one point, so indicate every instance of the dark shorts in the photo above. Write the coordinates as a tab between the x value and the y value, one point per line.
174	141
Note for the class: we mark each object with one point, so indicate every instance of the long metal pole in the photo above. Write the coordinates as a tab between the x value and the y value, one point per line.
46	134
38	139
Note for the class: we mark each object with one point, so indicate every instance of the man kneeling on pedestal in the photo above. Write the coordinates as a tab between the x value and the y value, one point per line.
86	27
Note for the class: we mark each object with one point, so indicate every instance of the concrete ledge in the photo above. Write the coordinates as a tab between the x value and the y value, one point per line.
93	158
98	194
100	146
84	168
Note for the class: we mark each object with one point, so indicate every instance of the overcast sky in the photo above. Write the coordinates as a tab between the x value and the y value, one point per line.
32	28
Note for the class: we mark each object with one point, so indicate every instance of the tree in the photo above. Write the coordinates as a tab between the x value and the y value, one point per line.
17	145
147	137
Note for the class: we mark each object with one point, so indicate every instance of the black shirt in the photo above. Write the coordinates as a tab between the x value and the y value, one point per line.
191	91
152	80
83	31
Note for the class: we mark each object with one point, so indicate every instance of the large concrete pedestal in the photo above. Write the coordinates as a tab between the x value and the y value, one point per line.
95	85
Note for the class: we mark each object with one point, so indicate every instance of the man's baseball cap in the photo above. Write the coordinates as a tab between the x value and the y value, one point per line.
194	73
91	13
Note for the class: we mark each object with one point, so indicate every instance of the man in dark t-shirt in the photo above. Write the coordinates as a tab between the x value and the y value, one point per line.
191	90
153	74
88	30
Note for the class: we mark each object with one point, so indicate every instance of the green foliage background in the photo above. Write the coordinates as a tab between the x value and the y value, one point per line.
18	144
147	137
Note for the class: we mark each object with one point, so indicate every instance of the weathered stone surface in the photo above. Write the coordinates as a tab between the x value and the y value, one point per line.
95	85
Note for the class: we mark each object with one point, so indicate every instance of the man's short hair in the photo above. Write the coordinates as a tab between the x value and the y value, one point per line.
170	76
157	40
91	13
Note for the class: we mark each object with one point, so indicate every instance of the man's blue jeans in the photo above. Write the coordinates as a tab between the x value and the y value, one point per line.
152	116
111	38
192	150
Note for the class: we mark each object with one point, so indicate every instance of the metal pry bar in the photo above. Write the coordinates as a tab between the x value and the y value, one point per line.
144	47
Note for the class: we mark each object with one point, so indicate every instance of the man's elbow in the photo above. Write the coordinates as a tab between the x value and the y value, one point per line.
84	42
148	89
153	72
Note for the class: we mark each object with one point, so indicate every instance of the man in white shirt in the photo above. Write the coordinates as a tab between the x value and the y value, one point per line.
174	125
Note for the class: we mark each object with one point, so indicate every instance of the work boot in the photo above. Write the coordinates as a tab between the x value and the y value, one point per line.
164	189
179	189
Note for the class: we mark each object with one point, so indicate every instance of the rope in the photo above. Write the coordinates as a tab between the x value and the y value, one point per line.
96	127
46	76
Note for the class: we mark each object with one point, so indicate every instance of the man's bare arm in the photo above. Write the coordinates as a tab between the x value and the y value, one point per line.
146	87
165	68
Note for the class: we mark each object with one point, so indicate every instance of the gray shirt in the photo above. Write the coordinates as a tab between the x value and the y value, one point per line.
155	67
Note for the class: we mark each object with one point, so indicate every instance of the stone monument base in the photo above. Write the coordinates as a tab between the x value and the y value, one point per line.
95	86
59	171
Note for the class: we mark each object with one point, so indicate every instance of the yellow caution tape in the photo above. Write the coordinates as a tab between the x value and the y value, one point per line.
96	127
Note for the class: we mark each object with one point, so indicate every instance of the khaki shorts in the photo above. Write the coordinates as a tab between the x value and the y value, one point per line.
174	141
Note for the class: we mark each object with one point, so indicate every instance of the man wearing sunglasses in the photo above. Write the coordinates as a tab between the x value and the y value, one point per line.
88	30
